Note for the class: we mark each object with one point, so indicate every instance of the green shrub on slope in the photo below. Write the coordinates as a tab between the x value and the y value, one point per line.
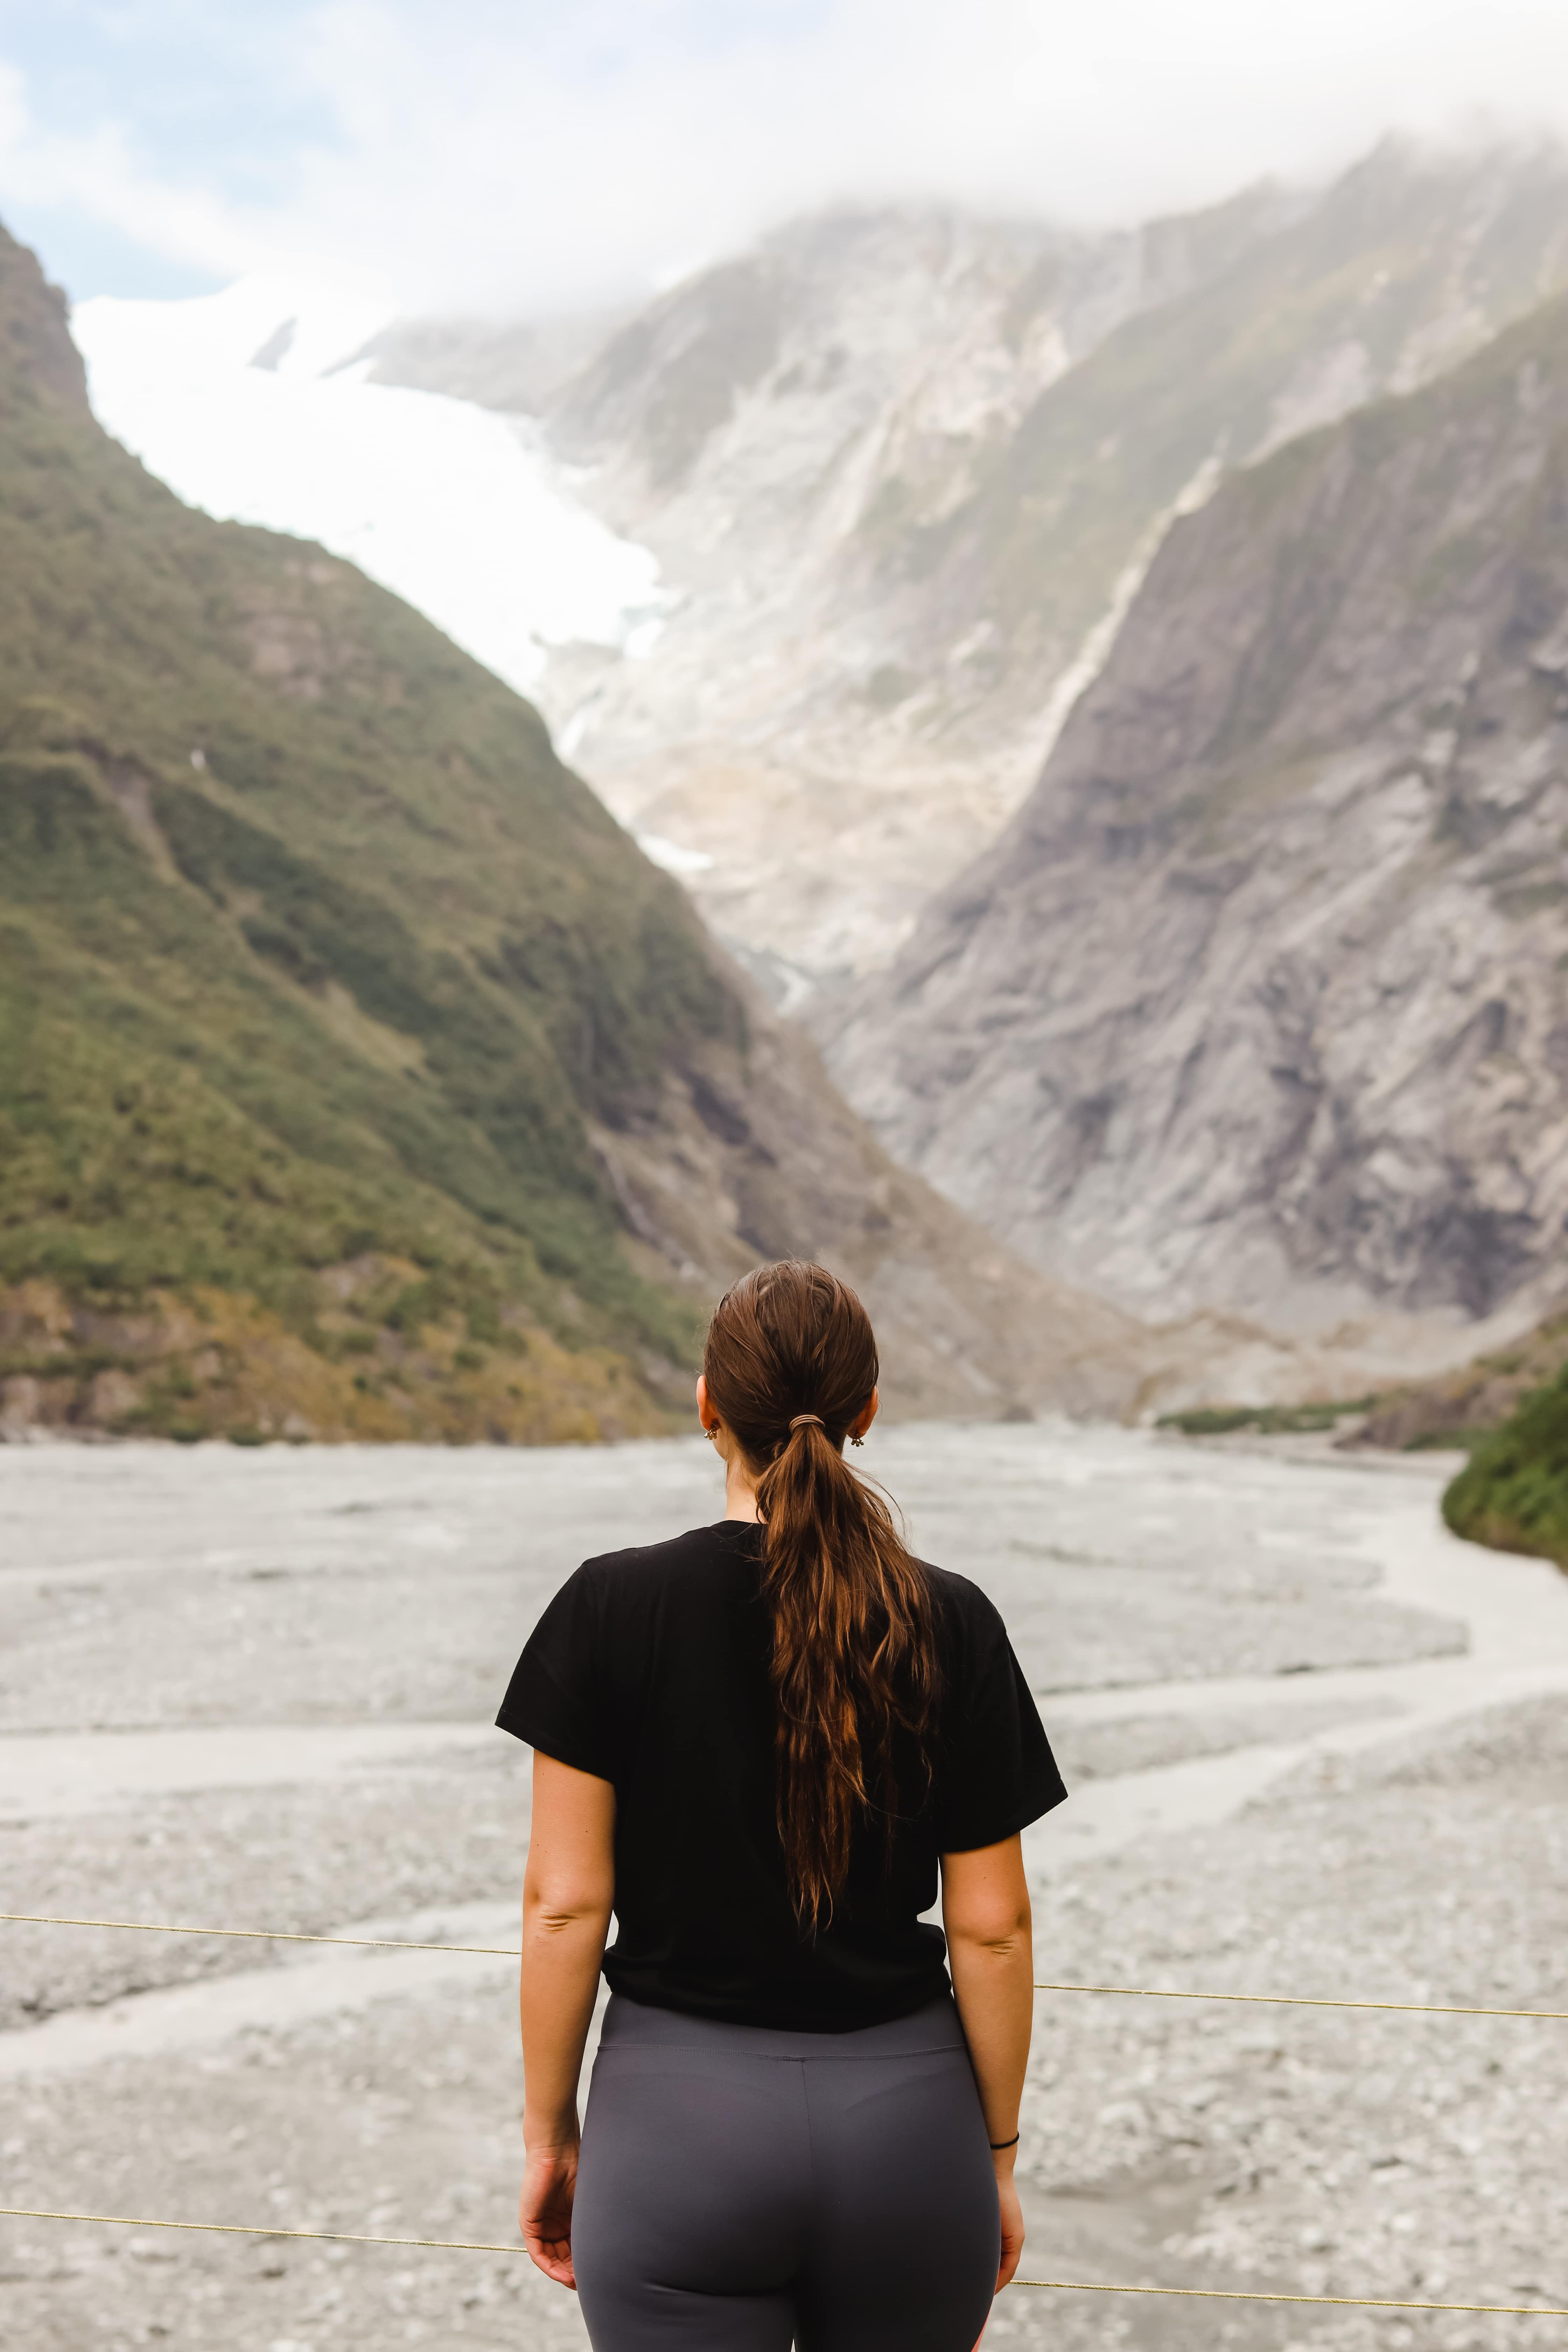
1513	1493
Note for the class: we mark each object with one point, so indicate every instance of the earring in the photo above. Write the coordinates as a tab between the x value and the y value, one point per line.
856	1441
711	1436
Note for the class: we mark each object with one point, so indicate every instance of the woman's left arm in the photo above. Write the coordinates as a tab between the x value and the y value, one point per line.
990	1950
568	1894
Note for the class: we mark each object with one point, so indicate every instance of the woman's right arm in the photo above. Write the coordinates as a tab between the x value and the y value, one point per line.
990	1950
568	1893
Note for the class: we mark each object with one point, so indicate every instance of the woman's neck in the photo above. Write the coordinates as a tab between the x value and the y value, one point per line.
740	1494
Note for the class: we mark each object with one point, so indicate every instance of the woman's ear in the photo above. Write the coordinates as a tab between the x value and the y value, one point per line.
867	1415
705	1413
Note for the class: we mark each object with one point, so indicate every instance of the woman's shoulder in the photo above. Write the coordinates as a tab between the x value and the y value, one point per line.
975	1641
960	1601
643	1569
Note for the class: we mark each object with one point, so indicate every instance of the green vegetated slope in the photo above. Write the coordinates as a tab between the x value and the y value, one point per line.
315	967
1510	1410
1514	1491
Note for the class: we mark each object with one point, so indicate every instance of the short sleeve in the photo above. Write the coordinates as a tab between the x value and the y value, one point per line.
555	1700
995	1772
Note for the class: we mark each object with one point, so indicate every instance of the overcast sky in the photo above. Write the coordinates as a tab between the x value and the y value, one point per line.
534	155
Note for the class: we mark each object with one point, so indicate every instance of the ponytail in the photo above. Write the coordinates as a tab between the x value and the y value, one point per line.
791	1365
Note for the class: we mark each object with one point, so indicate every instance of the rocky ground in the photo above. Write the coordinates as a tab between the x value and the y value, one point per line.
1316	1746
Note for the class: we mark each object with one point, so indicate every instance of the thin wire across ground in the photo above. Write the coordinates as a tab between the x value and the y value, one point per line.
510	1952
1061	2287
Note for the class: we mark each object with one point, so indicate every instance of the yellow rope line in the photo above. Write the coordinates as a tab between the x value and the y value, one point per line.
1307	2000
1065	2286
259	2229
262	1935
508	1952
1257	2294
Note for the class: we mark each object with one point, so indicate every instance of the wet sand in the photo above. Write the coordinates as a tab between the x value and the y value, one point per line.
1314	1744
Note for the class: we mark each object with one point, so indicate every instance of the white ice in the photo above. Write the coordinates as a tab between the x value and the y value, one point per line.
454	508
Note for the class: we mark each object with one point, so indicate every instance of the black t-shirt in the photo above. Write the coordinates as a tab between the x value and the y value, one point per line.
650	1669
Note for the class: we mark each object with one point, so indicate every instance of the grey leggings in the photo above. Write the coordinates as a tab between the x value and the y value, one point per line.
742	2188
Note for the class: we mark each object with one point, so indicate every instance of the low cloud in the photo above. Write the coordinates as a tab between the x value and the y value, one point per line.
529	156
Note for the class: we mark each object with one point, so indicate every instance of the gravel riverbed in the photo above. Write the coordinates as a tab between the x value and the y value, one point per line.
1316	1747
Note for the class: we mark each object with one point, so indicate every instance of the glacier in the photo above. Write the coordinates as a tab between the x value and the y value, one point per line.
252	405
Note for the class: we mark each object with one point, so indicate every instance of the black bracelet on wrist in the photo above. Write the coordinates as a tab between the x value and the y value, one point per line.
1006	2143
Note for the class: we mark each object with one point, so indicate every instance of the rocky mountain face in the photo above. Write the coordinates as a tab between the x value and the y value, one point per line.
903	474
358	1074
786	434
1263	997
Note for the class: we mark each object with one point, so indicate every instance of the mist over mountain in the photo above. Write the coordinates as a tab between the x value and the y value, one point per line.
1263	997
903	472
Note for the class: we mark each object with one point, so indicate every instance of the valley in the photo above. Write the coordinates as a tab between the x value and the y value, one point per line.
359	1076
860	574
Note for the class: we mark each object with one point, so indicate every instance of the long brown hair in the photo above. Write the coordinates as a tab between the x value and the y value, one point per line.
854	1657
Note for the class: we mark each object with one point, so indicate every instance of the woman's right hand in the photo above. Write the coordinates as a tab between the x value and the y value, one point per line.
1012	2225
545	2210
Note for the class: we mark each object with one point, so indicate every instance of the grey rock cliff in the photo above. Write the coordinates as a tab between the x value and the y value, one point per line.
1262	1000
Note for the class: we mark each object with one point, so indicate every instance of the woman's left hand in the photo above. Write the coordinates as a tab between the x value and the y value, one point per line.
545	2210
1012	2228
